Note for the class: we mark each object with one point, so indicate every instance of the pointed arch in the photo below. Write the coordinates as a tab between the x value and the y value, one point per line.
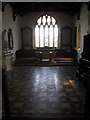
46	32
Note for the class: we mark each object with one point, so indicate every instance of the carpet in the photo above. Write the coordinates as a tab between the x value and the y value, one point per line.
37	62
65	61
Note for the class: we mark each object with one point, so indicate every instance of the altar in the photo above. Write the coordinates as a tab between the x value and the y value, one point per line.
46	53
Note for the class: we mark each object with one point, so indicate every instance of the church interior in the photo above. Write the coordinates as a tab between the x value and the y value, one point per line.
45	60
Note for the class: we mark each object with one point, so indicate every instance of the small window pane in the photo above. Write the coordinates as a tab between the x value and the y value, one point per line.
44	20
39	21
48	20
36	36
51	36
56	36
53	21
46	35
41	36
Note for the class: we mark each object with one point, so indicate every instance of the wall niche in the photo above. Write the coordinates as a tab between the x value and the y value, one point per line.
27	38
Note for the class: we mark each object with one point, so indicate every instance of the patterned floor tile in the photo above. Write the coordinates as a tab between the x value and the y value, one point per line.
41	90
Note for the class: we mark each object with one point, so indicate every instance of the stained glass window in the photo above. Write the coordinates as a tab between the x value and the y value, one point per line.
46	32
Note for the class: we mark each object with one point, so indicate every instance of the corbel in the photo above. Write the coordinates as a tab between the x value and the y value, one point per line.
14	15
3	5
78	14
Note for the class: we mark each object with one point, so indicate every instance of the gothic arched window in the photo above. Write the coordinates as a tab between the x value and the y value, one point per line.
46	32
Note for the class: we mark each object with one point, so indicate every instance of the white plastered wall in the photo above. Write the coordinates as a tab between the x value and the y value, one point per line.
84	26
7	22
62	18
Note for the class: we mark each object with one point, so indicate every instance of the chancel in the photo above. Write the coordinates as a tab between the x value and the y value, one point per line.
45	60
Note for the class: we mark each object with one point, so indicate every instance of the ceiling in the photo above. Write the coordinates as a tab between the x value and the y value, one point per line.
22	8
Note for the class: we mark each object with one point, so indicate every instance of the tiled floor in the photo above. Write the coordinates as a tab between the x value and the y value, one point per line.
45	92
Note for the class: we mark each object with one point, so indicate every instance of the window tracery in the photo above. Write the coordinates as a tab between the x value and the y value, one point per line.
46	32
